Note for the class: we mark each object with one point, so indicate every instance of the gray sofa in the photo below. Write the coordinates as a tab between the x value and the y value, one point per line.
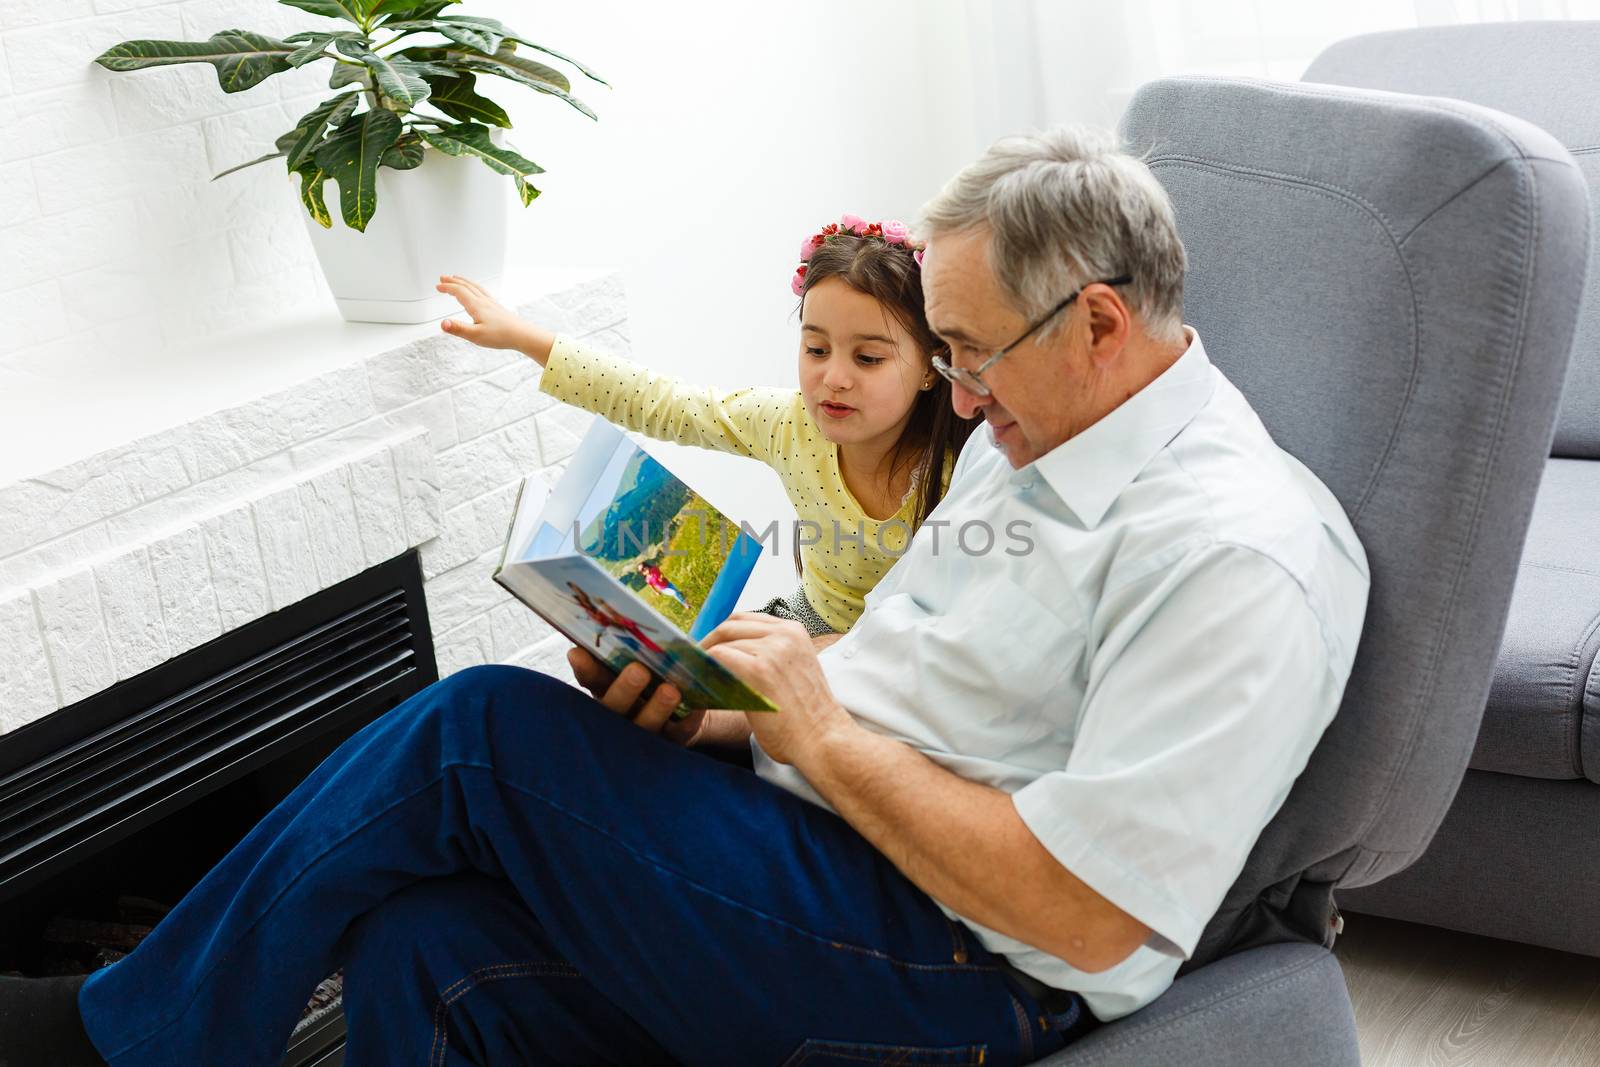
1517	855
1394	282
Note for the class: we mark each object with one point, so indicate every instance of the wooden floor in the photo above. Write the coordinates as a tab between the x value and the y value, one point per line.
1434	998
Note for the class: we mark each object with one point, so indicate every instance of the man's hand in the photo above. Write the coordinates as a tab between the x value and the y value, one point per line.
630	694
777	659
493	325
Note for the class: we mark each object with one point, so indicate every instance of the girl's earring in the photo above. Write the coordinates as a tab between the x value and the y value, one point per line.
927	383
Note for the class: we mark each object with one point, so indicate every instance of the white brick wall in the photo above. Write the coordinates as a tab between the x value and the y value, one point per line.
108	214
115	563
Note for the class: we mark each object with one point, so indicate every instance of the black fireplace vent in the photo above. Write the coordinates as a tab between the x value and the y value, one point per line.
90	775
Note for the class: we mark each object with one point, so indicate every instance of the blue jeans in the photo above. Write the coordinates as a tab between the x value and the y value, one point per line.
509	873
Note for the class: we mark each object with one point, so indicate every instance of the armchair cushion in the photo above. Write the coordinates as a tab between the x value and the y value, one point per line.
1543	716
1277	1004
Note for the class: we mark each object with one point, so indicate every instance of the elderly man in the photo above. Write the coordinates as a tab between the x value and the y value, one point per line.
1000	808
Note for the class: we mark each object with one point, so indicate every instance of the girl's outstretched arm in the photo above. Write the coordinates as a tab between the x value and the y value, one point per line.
761	423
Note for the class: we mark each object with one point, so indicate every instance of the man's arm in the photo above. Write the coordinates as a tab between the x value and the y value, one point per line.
964	844
960	842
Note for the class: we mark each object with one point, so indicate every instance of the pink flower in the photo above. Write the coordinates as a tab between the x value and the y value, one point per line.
853	223
798	282
895	232
917	255
810	245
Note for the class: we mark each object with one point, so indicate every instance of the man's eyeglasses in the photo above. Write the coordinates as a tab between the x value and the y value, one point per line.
972	380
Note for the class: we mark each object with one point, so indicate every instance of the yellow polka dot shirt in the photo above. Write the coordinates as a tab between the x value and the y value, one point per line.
768	424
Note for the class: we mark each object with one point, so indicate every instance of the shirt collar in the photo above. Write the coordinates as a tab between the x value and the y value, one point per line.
1089	471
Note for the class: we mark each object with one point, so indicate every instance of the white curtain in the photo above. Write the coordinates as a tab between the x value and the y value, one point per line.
1044	62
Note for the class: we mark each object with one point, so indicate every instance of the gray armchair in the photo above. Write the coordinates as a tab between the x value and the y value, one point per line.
1516	855
1393	282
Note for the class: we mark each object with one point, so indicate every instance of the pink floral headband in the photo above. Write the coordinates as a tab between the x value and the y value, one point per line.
892	232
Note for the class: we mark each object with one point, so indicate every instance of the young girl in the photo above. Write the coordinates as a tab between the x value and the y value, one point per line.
854	445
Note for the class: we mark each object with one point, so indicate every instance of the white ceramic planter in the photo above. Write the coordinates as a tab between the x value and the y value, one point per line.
446	216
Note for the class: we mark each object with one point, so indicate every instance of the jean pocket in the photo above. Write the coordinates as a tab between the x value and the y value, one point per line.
818	1053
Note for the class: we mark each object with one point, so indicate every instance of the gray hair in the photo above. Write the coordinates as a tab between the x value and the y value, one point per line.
1067	207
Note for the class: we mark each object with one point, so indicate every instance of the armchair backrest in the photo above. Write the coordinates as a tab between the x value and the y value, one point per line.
1545	72
1393	282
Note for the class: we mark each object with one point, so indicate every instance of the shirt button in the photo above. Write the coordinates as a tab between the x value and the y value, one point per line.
849	652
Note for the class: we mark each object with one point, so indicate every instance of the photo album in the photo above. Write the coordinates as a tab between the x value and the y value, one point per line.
632	564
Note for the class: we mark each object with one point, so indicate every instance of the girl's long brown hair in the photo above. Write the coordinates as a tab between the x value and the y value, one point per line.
890	275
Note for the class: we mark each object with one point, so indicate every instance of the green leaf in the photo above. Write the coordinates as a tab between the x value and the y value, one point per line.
458	98
398	78
351	157
243	59
311	179
508	56
432	70
347	105
350	74
308	51
470	36
474	37
410	9
299	143
532	68
522	71
496	26
356	11
404	154
518	72
253	162
313	42
470	139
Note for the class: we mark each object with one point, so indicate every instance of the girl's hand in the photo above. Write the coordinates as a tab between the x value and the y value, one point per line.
493	325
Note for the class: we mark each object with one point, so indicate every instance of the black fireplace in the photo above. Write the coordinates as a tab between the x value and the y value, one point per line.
114	807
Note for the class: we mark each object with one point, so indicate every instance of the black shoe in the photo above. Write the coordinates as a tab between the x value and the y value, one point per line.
40	1025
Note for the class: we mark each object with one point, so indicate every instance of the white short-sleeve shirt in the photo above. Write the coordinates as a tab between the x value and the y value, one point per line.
1140	636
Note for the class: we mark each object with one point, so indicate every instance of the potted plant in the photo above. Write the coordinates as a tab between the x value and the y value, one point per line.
407	99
